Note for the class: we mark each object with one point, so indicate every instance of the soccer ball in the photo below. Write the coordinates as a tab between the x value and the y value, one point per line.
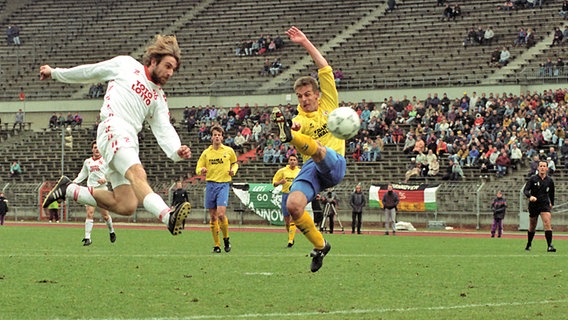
343	123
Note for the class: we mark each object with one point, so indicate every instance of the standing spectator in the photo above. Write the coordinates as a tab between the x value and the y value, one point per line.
564	10
390	201
3	208
499	207
19	120
219	164
15	169
53	210
539	189
357	202
180	195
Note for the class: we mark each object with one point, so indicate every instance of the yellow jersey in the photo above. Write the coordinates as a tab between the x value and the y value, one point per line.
314	124
218	163
286	173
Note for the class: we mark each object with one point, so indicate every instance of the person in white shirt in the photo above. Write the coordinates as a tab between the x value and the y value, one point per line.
134	95
93	171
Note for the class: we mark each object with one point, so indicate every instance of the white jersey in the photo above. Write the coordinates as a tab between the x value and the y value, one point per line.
131	97
93	170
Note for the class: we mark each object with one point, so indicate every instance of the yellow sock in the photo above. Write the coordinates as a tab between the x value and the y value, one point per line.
308	228
224	225
304	144
214	225
291	232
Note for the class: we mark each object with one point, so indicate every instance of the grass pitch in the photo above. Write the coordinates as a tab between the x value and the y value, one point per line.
46	273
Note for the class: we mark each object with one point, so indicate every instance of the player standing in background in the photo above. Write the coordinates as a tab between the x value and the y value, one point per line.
219	164
93	170
134	95
284	177
323	154
540	192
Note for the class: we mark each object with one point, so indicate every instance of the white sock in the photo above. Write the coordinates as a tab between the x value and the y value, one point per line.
154	204
109	224
88	228
82	195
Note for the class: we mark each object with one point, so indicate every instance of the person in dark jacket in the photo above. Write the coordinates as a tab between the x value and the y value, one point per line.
499	207
3	208
357	202
390	201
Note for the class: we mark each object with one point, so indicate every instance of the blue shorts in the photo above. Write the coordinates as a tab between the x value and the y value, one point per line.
284	209
216	194
315	177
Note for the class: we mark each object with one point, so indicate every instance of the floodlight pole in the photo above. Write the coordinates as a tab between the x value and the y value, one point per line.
478	199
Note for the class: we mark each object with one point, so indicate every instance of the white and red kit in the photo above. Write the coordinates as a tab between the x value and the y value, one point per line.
93	170
131	99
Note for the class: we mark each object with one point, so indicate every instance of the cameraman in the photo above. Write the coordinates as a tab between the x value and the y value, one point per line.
330	198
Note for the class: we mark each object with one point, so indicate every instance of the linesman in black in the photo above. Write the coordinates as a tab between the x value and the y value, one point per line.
540	192
180	195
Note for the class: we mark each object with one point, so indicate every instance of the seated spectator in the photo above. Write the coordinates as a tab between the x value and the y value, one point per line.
397	134
551	166
564	10
506	6
516	156
409	144
275	67
266	68
502	163
279	42
448	12
521	38
456	11
239	141
69	120
268	154
15	169
434	168
357	153
338	76
413	169
530	39
53	122
391	4
77	120
471	38
504	56
495	57
472	156
419	146
488	36
60	119
453	172
247	133
557	37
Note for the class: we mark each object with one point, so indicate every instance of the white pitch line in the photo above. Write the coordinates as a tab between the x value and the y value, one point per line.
361	311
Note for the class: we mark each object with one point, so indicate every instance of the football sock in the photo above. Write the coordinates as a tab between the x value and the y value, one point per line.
83	195
88	228
214	225
308	228
304	144
154	204
291	232
530	236
548	236
109	224
224	226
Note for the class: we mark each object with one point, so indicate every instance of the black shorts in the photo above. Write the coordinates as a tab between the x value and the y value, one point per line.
536	209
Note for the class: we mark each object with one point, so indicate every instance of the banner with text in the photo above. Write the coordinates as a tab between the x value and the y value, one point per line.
413	198
264	200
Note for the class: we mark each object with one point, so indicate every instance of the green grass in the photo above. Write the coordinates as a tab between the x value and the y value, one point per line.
46	273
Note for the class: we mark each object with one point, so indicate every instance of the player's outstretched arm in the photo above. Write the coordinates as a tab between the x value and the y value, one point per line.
296	35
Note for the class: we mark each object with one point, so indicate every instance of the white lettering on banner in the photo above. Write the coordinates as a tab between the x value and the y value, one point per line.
262	197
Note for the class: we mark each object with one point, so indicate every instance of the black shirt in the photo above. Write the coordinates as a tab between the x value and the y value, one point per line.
542	189
180	196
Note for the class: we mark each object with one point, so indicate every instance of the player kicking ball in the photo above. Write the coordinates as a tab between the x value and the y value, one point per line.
134	95
323	154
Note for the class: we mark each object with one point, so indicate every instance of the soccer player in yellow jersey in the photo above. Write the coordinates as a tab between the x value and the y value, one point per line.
284	177
323	154
219	164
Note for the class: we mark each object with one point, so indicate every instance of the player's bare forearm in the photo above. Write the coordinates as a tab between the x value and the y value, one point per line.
296	35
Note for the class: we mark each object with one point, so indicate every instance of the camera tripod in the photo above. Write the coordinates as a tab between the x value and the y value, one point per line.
328	211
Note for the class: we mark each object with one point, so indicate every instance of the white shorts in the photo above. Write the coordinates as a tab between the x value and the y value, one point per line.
118	144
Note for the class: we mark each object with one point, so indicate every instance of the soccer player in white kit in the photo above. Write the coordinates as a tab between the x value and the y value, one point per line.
134	95
94	169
